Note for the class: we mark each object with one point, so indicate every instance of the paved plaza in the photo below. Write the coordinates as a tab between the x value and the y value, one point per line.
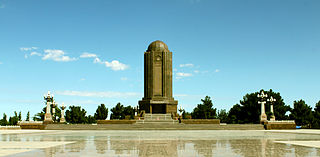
24	143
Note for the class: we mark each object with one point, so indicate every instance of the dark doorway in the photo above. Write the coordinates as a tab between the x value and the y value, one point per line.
158	108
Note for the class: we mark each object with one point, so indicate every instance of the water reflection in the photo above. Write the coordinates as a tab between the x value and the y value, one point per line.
178	144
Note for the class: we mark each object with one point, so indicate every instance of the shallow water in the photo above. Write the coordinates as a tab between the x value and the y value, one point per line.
183	143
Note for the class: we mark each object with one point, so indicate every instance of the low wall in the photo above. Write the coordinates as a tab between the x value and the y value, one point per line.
31	126
279	125
116	121
153	127
10	127
200	121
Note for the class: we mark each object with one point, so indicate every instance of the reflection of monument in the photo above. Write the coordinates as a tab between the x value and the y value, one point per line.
158	80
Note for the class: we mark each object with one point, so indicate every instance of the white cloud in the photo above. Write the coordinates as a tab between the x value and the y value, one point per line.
186	65
124	78
108	94
88	55
28	48
196	71
217	70
35	54
82	79
180	74
25	56
56	55
116	65
97	60
1	63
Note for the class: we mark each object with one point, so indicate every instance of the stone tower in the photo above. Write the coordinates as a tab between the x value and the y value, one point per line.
158	80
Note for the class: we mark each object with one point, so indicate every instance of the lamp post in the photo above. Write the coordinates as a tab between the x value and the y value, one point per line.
263	116
62	119
180	110
136	111
48	99
54	104
272	100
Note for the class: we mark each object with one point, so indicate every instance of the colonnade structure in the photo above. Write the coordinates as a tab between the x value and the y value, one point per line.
50	102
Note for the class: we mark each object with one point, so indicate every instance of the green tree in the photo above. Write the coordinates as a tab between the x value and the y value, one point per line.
204	110
301	113
234	115
90	119
117	112
76	115
28	116
101	112
129	111
4	121
14	120
185	114
223	116
250	110
19	117
316	115
39	116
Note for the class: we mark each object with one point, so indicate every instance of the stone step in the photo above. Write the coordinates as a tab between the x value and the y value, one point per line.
157	122
157	117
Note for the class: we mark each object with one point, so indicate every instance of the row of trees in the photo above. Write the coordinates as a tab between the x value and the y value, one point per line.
14	119
248	111
76	114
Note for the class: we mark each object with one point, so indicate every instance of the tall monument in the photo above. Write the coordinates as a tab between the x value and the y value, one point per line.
158	80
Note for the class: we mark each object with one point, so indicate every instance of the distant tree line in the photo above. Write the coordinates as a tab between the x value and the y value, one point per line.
247	111
76	115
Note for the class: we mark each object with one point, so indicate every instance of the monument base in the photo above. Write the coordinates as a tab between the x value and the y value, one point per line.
62	120
47	118
272	118
159	106
263	118
278	125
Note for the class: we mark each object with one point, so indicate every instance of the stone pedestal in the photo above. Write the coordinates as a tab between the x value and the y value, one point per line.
62	119
263	116
48	116
273	118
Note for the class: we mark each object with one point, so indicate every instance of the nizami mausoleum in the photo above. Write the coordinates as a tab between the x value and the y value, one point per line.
158	80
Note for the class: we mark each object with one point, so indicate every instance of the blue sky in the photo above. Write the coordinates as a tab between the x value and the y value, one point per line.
91	52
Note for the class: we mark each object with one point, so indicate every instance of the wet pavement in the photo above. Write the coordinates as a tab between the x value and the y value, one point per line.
183	143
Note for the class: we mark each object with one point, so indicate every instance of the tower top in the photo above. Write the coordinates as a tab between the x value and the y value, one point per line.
158	46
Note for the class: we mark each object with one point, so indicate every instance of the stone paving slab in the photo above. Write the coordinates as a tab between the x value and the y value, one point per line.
6	152
25	131
298	131
14	147
314	144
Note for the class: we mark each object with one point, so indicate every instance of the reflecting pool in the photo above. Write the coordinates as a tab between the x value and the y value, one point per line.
185	143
